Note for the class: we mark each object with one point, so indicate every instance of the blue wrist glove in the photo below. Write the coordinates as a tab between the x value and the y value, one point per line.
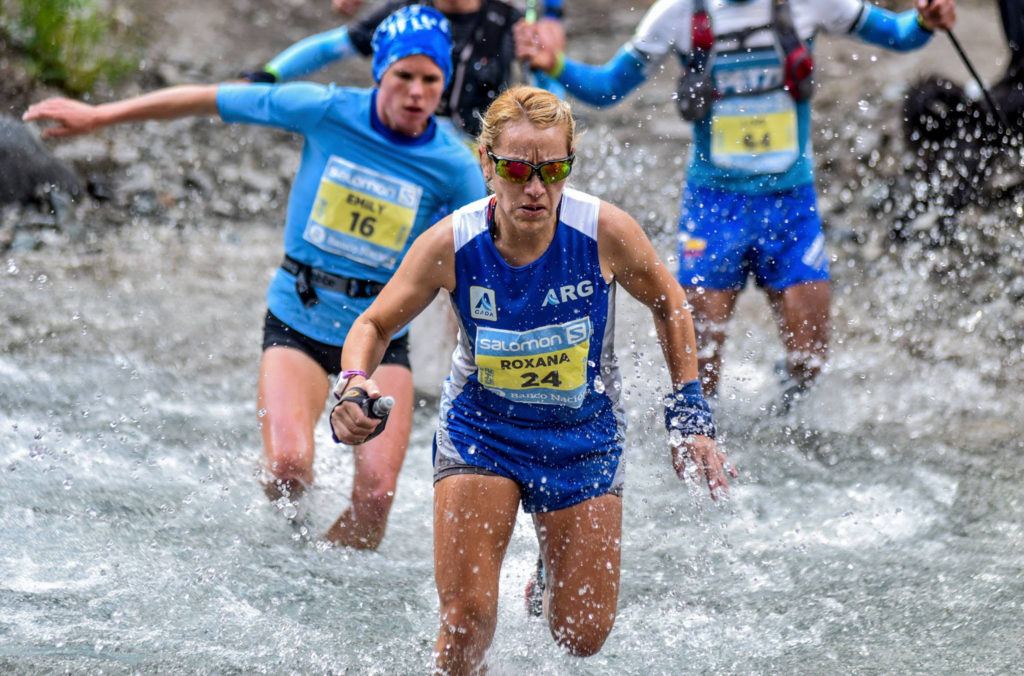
687	410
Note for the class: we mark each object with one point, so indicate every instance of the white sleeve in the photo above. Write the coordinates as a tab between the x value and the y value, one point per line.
832	16
665	27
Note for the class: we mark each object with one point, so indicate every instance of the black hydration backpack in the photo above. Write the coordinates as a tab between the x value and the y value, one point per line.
696	92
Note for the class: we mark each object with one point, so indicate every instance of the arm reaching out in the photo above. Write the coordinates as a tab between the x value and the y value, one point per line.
907	30
72	117
628	256
600	86
311	54
428	267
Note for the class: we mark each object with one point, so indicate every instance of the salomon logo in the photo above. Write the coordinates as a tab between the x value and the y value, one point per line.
481	303
568	292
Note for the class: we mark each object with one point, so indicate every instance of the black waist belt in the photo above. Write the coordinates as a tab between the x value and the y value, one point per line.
306	277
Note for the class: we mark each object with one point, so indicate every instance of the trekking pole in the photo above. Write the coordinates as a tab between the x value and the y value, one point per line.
530	16
1000	117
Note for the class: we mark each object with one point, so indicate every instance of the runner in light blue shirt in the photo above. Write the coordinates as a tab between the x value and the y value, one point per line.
483	54
376	171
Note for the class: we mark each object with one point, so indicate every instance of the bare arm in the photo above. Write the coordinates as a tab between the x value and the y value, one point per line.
428	267
346	7
74	117
628	256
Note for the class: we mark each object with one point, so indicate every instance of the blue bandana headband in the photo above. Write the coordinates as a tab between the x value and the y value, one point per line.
412	30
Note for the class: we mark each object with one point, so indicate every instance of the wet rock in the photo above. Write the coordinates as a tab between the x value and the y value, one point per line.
25	240
258	180
138	179
1015	289
80	150
98	186
199	180
27	167
222	207
62	206
145	203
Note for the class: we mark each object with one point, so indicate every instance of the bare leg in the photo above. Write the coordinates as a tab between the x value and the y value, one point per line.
804	323
581	546
474	516
712	310
377	465
292	390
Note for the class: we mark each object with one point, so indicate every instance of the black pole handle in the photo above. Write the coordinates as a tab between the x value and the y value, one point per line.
378	408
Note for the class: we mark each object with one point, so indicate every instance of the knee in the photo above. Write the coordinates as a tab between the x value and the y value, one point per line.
288	489
581	640
376	493
583	628
469	619
289	454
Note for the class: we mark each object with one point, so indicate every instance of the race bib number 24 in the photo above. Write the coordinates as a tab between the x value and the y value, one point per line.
547	365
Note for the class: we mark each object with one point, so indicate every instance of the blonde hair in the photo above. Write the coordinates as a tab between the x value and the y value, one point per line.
539	107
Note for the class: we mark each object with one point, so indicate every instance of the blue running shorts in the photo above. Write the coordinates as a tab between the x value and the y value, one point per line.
726	236
555	466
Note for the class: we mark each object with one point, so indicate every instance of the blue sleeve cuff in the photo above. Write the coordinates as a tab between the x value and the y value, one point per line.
692	388
901	32
604	85
311	54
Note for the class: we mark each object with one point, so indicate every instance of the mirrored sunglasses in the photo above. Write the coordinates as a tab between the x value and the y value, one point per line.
520	171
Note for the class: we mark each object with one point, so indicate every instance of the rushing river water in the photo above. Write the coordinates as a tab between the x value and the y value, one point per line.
876	529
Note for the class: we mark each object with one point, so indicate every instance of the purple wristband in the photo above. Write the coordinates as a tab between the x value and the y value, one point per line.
342	385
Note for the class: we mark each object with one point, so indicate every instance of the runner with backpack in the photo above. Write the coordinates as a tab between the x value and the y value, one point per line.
749	205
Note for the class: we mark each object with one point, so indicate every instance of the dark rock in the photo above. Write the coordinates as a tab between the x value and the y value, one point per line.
27	168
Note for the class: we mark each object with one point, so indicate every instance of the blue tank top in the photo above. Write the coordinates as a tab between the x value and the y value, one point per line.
536	342
362	193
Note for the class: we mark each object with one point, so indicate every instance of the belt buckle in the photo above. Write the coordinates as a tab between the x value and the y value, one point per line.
353	288
304	287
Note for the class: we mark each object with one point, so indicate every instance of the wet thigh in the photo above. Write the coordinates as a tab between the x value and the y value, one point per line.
792	250
292	392
581	546
474	516
379	461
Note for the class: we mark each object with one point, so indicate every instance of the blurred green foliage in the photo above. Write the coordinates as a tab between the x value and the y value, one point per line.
69	43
